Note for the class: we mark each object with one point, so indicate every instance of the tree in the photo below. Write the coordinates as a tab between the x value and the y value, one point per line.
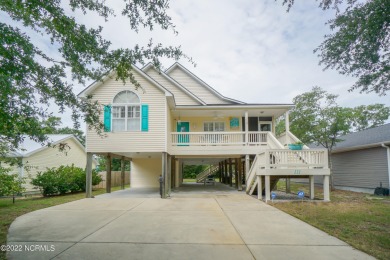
369	116
360	44
191	171
31	80
115	164
52	126
318	119
10	184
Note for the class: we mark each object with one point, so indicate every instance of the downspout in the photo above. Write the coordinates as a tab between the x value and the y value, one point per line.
388	160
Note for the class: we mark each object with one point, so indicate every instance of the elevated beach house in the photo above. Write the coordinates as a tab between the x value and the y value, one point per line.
175	119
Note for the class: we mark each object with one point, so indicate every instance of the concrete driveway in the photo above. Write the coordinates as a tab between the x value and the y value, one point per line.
221	226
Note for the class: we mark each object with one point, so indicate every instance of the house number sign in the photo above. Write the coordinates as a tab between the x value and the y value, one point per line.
297	172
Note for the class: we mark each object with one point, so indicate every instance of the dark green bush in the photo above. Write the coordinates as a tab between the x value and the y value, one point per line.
63	180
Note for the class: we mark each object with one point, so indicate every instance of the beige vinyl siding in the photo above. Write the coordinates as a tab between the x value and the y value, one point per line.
364	168
195	87
132	141
145	173
169	127
52	157
181	98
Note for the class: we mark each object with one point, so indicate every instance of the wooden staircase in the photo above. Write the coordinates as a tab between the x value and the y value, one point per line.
201	177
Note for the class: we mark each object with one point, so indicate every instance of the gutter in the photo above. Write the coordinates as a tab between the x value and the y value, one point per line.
388	160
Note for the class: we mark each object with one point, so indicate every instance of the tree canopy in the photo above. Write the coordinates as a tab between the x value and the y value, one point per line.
360	43
318	119
32	80
53	126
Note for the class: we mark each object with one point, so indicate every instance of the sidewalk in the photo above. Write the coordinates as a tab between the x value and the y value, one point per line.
222	226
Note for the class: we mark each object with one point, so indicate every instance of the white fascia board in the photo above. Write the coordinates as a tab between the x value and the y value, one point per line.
96	84
174	82
55	143
176	64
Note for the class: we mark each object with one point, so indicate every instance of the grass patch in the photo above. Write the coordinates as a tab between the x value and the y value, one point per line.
10	211
189	180
361	220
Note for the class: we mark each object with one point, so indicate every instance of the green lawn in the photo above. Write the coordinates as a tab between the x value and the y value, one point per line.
361	220
9	212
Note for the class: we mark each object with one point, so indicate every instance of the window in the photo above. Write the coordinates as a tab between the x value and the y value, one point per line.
214	126
126	115
265	126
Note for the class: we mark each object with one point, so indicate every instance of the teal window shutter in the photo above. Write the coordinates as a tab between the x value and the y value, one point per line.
145	118
107	118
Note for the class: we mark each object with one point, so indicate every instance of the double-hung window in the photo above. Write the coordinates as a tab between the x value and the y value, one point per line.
126	115
214	126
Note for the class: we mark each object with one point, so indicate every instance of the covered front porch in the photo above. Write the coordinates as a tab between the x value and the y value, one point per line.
224	130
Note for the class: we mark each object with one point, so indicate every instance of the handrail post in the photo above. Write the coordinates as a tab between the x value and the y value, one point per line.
246	128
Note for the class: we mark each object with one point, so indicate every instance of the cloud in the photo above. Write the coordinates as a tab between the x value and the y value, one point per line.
249	50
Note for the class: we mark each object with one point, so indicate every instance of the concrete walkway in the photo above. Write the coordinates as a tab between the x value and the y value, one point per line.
221	226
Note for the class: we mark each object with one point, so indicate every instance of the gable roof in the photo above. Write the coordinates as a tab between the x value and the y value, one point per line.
29	147
364	139
204	84
174	82
98	83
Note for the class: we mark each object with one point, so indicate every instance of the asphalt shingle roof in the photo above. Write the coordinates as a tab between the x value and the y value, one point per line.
369	136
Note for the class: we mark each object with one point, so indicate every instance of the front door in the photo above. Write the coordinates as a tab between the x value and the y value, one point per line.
183	127
265	126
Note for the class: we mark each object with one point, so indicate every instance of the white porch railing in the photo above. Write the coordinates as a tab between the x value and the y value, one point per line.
297	158
218	138
289	138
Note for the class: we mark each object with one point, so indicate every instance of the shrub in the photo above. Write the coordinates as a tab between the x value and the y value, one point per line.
10	184
63	180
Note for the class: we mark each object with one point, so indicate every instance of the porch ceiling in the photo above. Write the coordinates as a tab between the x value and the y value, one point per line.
239	111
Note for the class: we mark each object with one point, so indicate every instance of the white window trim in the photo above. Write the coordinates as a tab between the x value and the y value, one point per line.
126	105
265	123
213	122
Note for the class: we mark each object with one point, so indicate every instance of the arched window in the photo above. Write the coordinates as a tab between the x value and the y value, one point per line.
126	112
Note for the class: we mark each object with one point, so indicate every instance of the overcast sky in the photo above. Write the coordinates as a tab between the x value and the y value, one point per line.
248	50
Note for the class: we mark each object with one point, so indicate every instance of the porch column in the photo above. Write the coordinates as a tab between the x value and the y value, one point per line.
326	188
236	173
246	127
239	179
88	176
311	181
164	174
230	172
177	173
168	175
123	173
172	172
247	167
220	171
259	188
288	187
267	188
181	173
287	123
108	173
226	172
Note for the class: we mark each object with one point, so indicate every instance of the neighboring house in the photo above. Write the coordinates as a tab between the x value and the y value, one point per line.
362	160
36	157
175	119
